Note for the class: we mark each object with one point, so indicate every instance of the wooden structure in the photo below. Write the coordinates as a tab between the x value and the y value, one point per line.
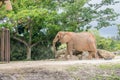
4	45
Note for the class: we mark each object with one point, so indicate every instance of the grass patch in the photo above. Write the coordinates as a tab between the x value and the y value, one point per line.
73	68
109	77
109	66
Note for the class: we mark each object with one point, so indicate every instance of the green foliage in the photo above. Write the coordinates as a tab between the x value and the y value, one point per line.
79	14
41	52
118	36
32	4
62	46
18	50
105	43
38	19
108	44
33	23
71	14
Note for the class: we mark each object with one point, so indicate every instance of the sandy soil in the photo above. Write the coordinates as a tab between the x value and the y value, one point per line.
52	63
51	69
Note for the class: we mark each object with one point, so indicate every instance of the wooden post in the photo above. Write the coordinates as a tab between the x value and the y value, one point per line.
8	45
7	52
2	44
5	45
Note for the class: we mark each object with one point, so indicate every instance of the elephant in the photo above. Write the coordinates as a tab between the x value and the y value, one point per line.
83	41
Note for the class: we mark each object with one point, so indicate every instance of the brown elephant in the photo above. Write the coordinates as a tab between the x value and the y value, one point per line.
83	41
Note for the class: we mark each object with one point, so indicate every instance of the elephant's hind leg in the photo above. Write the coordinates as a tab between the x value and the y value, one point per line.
96	55
92	54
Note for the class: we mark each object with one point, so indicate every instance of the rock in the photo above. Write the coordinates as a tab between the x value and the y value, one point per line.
60	53
61	57
105	54
85	55
77	55
117	52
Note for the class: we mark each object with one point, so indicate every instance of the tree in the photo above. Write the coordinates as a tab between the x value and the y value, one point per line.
118	36
32	24
79	14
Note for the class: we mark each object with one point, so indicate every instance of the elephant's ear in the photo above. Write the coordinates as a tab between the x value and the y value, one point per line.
57	37
66	38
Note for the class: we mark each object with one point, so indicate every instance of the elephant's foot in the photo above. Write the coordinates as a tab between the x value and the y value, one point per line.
69	57
65	57
96	56
89	57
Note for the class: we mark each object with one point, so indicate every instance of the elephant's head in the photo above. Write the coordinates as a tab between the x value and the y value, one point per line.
62	37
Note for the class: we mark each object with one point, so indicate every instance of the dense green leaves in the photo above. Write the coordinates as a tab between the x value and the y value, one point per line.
109	44
118	36
32	22
82	15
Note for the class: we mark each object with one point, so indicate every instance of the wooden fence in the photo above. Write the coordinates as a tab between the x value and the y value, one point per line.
4	45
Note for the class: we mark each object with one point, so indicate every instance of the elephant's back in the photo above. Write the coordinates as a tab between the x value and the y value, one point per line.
85	34
84	41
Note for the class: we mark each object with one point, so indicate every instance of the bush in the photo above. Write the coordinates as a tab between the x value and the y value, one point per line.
18	51
105	43
41	51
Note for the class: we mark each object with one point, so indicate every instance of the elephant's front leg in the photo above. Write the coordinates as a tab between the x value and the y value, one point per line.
66	55
70	50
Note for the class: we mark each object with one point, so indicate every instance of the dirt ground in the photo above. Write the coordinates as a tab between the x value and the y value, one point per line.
61	70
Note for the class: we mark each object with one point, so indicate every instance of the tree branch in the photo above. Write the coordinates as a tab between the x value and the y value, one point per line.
20	40
35	44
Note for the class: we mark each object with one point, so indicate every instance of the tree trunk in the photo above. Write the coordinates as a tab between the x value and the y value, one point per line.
29	46
28	53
